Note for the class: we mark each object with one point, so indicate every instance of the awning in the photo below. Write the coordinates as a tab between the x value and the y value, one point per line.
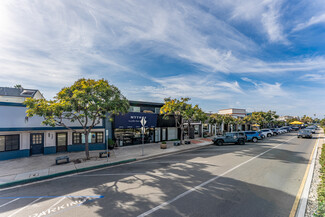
296	122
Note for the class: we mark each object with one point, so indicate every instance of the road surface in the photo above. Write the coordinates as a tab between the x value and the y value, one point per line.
257	179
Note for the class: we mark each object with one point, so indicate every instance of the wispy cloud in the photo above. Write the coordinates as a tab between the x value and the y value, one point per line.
312	21
48	45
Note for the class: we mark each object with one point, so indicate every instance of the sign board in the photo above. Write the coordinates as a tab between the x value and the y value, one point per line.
133	120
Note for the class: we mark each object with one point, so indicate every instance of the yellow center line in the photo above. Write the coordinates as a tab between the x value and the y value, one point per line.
297	200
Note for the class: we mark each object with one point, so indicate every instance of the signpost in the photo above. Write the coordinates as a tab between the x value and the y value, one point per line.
143	124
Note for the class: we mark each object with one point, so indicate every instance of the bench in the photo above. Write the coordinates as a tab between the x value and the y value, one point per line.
103	154
65	158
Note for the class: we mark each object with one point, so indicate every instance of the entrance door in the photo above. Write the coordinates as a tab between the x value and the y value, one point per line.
61	142
157	134
36	143
163	134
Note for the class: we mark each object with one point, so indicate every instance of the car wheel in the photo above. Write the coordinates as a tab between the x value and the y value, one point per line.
254	139
219	142
241	142
269	135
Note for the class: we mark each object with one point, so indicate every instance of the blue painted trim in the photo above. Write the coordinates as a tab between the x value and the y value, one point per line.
12	104
14	154
50	150
81	147
45	128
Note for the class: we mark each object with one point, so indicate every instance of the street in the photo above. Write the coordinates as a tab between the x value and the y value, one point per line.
257	179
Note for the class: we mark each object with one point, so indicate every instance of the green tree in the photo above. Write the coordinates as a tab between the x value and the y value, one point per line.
306	119
215	119
183	112
322	122
175	107
86	102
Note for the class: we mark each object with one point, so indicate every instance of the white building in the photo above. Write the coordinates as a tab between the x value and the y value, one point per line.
236	113
22	137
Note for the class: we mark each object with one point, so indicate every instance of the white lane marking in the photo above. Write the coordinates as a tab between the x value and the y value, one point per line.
9	202
207	182
34	201
172	162
57	202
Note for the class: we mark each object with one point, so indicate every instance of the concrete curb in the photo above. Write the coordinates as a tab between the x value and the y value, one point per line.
305	194
25	181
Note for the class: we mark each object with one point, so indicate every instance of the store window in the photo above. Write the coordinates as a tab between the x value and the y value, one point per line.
93	137
134	109
9	143
76	138
157	110
134	136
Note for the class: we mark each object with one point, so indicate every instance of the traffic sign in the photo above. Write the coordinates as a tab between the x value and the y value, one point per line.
143	121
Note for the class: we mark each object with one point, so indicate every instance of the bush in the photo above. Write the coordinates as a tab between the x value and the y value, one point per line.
163	142
110	143
321	188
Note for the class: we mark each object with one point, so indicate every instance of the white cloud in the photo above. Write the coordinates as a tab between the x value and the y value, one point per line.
312	21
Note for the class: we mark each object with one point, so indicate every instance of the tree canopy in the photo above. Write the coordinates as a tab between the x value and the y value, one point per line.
86	102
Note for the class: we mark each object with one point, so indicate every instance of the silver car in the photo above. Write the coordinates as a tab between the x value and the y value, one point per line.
305	133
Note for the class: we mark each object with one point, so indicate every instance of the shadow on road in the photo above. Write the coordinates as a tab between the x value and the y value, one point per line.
131	189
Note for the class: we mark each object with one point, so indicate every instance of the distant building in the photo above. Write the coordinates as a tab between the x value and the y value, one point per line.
285	118
18	95
236	113
233	112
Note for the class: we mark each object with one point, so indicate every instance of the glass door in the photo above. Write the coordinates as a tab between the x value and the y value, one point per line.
61	142
163	134
36	143
157	135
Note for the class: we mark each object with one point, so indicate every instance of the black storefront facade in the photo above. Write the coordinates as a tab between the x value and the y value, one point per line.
127	128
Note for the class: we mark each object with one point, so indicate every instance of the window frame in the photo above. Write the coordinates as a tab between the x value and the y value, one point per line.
5	144
97	141
73	136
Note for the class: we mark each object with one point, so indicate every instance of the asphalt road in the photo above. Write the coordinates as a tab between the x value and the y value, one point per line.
258	179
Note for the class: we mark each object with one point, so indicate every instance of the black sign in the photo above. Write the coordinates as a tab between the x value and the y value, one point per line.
132	120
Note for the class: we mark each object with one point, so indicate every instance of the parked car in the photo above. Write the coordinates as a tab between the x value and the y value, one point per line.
234	137
262	135
275	131
267	132
295	128
312	129
281	130
305	133
253	136
287	129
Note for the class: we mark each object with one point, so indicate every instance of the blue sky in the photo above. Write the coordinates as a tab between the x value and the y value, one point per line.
252	54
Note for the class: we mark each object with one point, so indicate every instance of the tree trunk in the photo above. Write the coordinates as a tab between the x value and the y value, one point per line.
188	129
182	131
87	145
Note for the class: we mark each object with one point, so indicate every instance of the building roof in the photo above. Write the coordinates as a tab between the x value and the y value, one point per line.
231	108
17	92
133	102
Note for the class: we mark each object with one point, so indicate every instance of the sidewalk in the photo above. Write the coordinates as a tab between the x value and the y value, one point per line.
44	165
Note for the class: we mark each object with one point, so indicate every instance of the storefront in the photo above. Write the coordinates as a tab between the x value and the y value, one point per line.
127	128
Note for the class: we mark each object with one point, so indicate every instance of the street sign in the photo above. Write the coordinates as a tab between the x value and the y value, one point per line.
143	129
143	121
